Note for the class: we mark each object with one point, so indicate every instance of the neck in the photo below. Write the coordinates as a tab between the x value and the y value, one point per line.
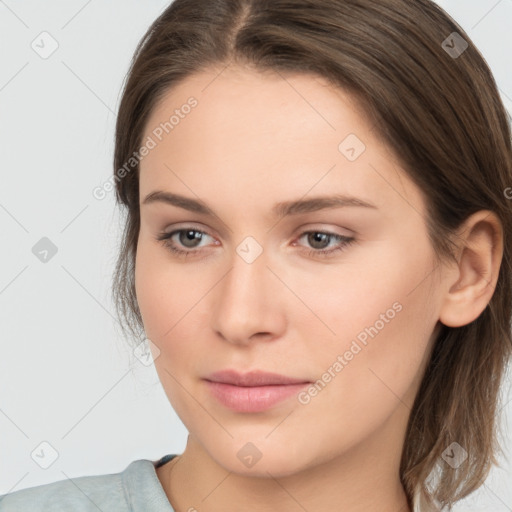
364	478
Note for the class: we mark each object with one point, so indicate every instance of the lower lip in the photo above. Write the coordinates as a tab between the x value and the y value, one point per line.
252	399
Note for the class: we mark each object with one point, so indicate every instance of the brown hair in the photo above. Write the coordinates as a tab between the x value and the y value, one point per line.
439	112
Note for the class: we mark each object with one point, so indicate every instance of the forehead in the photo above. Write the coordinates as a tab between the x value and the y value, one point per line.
271	97
249	129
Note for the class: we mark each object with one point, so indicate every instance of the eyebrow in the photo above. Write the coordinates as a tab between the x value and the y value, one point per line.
281	209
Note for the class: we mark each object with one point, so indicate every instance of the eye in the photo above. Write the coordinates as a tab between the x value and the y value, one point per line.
186	237
320	239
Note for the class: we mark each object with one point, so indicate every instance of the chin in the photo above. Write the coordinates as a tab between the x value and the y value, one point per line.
253	459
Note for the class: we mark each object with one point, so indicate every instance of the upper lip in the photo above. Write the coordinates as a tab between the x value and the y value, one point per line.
252	378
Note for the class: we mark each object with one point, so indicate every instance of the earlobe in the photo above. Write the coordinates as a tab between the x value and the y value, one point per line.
471	284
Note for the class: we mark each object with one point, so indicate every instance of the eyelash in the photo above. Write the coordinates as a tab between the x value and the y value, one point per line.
166	239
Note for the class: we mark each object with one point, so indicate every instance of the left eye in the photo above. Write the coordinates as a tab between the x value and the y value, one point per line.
191	237
316	238
319	237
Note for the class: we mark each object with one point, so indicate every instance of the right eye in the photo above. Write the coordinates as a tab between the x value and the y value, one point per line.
186	237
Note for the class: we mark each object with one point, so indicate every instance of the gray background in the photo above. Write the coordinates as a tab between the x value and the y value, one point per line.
66	376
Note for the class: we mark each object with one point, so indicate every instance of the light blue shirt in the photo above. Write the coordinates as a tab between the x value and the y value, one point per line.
136	489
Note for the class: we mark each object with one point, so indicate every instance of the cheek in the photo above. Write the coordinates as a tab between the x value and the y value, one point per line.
169	302
150	296
165	296
159	287
383	315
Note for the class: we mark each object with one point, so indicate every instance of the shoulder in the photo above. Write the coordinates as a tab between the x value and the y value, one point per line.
78	494
113	492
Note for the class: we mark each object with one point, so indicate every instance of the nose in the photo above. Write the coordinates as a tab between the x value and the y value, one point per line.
248	302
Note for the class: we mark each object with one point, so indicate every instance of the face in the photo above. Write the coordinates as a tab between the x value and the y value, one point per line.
340	297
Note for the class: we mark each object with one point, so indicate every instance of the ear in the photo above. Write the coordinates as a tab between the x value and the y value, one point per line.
471	283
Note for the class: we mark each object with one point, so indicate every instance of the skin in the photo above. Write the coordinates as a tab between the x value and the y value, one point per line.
255	140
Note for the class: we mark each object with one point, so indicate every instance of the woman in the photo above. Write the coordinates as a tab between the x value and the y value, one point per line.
317	248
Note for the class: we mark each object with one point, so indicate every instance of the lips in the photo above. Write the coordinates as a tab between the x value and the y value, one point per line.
252	392
253	378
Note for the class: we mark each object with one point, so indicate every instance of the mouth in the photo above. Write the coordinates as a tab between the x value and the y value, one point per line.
252	392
